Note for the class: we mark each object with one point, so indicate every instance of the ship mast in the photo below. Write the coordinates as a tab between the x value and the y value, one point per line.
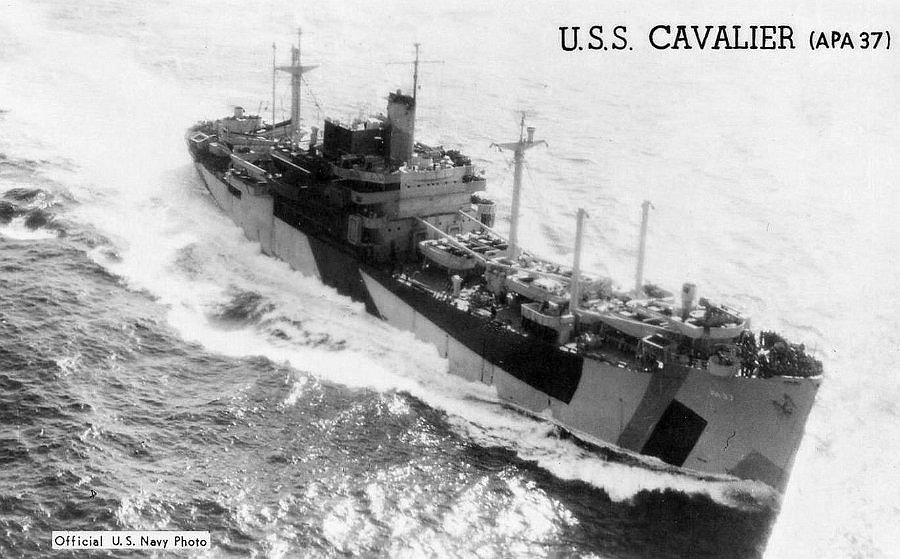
518	149
639	273
575	285
415	64
416	72
295	88
296	70
274	75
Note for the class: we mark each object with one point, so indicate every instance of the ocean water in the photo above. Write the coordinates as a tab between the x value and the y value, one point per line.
151	355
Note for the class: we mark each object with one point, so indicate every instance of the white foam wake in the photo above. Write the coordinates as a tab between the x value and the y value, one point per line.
16	229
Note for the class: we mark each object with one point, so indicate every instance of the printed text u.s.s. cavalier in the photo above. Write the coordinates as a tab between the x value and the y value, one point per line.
573	38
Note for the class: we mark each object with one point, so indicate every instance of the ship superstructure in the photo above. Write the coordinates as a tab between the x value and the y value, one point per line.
407	229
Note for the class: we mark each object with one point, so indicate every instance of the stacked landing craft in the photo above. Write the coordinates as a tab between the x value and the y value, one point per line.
406	229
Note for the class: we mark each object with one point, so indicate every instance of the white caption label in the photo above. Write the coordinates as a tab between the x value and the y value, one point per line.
139	539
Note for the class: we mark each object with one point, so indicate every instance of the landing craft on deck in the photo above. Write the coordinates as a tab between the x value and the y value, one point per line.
407	229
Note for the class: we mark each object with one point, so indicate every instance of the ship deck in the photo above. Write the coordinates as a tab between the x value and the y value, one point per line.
618	351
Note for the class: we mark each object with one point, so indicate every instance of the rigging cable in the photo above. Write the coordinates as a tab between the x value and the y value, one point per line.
319	111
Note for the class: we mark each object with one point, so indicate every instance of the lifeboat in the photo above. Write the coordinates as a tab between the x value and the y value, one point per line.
714	322
636	319
450	255
446	255
537	288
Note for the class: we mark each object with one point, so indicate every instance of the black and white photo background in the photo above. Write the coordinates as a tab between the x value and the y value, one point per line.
158	372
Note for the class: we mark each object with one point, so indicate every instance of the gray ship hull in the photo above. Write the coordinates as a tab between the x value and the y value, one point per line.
746	427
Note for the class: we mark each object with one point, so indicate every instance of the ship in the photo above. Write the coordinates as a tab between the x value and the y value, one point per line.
407	229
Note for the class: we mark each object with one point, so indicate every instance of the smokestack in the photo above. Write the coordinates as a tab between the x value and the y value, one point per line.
401	111
239	112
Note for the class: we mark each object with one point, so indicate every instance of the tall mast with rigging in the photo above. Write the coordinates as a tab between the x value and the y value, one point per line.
296	70
518	149
415	64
